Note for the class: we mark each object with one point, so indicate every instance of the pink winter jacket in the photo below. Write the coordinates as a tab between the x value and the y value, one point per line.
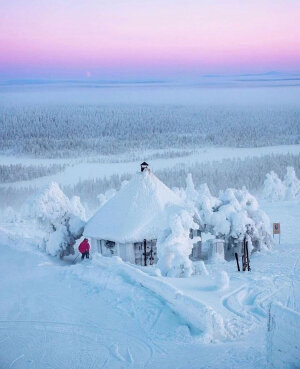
84	246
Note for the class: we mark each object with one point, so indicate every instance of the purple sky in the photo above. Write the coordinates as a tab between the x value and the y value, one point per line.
147	39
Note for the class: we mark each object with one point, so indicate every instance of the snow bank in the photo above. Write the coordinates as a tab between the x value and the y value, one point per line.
198	316
283	337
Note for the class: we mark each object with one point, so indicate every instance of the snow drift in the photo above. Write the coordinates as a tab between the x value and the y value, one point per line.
201	318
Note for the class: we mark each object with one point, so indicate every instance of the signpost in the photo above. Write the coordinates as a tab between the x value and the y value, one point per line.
276	229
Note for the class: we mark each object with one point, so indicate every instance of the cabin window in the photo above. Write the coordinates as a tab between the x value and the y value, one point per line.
110	244
139	246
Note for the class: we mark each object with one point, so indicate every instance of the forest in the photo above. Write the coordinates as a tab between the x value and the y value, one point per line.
219	175
74	130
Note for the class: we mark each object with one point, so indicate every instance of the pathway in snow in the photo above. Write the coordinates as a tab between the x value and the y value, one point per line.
51	317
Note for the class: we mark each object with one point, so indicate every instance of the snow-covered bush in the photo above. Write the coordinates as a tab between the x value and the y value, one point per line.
61	218
174	247
275	189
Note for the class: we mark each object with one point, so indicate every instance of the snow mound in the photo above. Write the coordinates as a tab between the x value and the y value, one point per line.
222	280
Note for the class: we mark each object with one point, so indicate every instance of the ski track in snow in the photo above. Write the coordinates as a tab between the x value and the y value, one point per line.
99	344
51	318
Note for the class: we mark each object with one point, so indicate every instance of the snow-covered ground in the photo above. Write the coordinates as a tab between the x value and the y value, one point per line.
104	313
103	166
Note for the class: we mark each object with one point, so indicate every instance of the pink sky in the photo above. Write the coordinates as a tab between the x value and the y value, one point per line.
147	38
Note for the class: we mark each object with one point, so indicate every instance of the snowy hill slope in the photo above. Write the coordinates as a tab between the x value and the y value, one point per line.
100	315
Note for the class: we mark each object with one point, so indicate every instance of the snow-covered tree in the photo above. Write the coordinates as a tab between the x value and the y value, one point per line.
174	246
238	216
288	189
292	184
104	197
274	189
61	218
235	214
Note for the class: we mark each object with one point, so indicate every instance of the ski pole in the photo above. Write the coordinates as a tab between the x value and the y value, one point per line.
237	261
75	259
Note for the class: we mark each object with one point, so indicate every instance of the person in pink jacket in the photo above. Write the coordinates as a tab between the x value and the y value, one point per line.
84	248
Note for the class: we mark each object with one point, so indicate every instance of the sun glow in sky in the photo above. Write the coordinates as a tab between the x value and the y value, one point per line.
144	39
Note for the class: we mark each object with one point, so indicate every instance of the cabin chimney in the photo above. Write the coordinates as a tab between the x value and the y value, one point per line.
144	166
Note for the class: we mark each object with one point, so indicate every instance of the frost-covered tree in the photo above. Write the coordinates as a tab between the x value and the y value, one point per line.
59	130
238	216
233	215
274	189
61	218
104	197
292	184
174	246
288	189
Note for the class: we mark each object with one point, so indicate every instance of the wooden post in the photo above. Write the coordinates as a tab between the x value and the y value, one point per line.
145	253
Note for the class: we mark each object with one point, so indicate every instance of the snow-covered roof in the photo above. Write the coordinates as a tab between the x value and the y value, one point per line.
140	210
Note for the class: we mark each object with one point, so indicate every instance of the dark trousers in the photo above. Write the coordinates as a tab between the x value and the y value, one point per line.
85	254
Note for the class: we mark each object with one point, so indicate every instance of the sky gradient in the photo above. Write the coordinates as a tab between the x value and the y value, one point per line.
147	39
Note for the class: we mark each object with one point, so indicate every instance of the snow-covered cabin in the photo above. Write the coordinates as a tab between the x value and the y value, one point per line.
129	224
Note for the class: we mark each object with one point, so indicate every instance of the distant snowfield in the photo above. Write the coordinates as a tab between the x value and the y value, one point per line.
107	314
86	168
